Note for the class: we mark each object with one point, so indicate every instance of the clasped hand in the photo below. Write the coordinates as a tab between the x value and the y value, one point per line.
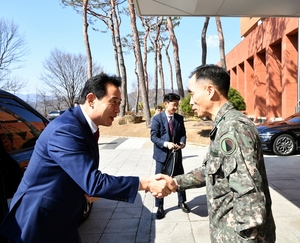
161	185
175	146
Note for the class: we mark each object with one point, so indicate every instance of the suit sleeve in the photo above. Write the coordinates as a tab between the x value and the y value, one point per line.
69	148
155	132
182	131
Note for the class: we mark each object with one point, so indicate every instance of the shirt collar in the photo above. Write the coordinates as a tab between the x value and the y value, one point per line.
168	116
92	125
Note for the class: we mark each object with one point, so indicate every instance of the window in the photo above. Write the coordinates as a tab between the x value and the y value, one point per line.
19	125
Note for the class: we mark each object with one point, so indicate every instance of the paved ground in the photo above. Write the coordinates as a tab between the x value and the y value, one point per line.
119	222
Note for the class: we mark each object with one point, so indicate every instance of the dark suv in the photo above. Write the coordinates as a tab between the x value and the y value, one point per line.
20	127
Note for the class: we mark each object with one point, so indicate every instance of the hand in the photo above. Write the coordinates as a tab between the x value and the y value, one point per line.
177	147
157	185
182	145
171	183
91	199
172	146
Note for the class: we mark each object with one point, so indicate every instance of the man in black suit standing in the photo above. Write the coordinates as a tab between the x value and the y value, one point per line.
168	133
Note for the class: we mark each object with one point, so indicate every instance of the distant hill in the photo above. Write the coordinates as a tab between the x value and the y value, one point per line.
27	97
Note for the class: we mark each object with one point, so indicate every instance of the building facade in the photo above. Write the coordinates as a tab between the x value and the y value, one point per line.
264	67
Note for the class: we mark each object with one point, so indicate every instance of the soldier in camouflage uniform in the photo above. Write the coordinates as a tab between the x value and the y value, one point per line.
233	171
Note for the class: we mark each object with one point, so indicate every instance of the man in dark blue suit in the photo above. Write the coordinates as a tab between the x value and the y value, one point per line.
63	171
168	133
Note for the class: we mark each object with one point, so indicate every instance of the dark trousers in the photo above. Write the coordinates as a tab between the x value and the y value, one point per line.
181	195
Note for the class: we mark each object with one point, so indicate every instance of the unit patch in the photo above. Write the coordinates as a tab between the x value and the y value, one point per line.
228	145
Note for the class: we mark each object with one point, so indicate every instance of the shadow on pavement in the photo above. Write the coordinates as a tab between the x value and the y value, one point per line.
113	221
189	156
198	206
284	175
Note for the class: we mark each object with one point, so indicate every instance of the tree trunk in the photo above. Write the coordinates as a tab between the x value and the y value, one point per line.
221	41
139	61
155	78
111	26
147	30
158	47
203	40
176	57
147	23
121	58
161	70
170	66
86	38
156	57
137	89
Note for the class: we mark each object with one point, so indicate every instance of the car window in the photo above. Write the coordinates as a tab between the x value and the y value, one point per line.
19	126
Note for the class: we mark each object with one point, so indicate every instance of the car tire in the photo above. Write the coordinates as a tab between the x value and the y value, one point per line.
284	145
87	211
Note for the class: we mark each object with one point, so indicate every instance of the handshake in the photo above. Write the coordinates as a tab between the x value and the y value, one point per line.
159	185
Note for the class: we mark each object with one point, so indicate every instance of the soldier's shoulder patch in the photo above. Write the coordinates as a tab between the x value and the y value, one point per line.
228	145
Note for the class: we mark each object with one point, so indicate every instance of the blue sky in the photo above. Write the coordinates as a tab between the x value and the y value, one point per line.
47	25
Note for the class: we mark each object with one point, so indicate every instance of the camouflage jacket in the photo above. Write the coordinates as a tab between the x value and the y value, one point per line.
238	197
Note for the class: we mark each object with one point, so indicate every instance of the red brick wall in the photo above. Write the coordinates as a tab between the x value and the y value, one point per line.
247	25
263	68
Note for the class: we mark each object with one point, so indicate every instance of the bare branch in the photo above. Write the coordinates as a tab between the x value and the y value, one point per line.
12	48
14	84
65	75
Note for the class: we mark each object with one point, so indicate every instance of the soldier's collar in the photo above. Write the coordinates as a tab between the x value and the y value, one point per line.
213	132
223	110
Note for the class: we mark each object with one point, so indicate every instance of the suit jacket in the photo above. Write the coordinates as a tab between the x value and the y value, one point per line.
160	133
49	202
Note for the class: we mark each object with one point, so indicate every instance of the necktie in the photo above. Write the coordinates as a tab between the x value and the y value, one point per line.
96	135
171	125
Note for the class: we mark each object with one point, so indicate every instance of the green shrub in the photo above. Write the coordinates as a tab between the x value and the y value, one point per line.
236	99
141	106
185	107
233	96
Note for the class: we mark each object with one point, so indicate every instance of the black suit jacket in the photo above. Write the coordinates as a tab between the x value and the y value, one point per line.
160	133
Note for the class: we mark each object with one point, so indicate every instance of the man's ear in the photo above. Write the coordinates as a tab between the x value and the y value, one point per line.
211	90
90	98
213	93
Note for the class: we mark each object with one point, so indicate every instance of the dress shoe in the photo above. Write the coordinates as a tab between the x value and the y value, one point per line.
160	212
184	207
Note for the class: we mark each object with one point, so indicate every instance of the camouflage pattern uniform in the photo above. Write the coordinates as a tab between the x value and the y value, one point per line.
238	197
